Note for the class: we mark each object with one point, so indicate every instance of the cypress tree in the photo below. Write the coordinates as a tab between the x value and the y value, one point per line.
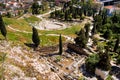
80	13
91	63
2	27
94	31
56	13
66	15
8	15
117	44
35	37
60	44
104	17
115	18
107	34
87	29
100	11
104	62
81	40
118	59
35	8
98	22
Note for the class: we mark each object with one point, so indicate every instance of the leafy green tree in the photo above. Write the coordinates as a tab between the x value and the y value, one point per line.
74	13
65	6
70	17
66	15
87	7
45	5
105	27
118	59
2	5
98	18
104	17
80	40
74	1
60	45
87	30
71	8
84	8
35	37
56	13
90	12
107	34
100	11
115	18
35	8
98	22
52	14
104	62
91	63
115	28
110	44
94	31
117	44
95	7
80	13
62	15
2	27
8	15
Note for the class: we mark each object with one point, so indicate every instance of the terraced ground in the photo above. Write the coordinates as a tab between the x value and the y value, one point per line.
20	31
22	63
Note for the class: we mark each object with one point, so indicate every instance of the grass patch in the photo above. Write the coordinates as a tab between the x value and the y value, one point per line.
101	43
58	58
21	38
2	69
32	19
20	24
49	40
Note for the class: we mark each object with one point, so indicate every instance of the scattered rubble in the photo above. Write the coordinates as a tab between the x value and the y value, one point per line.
26	64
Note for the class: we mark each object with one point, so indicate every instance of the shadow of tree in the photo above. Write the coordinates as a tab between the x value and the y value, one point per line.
49	55
85	72
3	39
31	45
115	70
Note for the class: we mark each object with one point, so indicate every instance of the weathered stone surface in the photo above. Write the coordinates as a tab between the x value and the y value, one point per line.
53	76
24	78
54	69
101	73
41	68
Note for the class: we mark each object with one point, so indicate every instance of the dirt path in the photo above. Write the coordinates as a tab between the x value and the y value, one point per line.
17	30
45	14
